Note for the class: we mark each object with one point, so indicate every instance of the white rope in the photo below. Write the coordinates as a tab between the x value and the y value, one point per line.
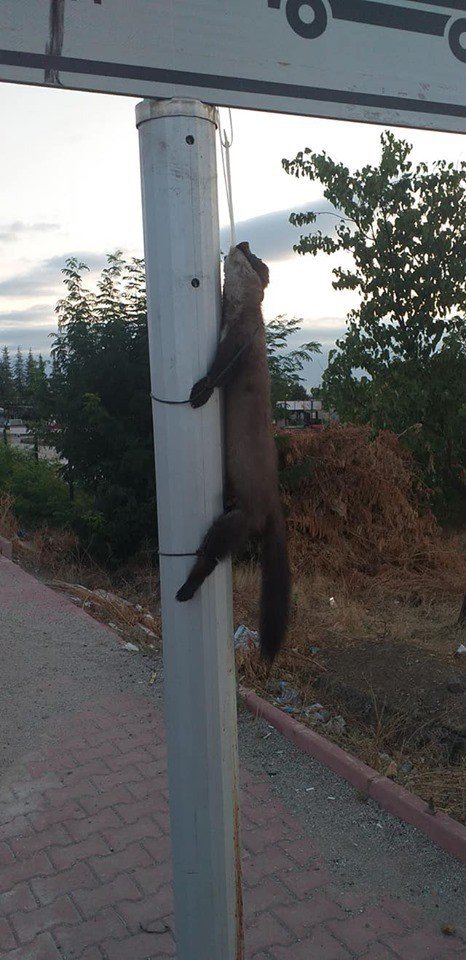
225	147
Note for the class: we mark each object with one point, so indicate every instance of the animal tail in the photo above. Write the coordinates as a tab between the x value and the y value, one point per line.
276	586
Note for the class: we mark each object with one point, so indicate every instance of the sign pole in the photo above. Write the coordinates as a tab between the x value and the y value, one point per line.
181	237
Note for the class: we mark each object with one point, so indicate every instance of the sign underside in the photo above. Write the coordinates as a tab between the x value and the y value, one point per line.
397	61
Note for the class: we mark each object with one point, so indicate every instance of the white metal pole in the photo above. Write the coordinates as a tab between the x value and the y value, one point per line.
179	189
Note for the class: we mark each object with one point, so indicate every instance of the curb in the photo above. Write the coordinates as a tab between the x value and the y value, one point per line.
398	801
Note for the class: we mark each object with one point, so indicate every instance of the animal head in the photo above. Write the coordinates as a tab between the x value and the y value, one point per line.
246	277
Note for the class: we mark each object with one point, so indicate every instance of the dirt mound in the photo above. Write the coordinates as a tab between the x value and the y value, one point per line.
355	507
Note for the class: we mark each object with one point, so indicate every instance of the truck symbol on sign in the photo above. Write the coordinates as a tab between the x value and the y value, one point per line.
309	18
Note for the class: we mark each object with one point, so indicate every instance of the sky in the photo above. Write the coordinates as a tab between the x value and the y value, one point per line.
70	186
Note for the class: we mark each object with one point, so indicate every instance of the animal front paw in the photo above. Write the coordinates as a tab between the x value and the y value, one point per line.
201	393
185	592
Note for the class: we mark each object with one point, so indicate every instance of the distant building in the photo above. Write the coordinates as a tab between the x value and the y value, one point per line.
303	413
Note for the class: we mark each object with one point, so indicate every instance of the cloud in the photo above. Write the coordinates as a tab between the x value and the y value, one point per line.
272	236
45	278
35	316
19	229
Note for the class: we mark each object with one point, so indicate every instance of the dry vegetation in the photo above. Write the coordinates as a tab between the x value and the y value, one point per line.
359	532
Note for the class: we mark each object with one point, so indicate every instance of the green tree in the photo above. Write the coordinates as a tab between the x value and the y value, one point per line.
401	236
19	376
101	389
7	388
286	365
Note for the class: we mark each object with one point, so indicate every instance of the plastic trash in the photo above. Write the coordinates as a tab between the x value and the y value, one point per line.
288	696
245	639
131	646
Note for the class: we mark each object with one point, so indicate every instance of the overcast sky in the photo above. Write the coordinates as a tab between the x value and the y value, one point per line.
69	186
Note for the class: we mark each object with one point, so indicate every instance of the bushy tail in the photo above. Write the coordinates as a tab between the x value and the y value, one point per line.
276	584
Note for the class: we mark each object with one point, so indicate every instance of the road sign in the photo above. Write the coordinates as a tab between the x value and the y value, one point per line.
397	61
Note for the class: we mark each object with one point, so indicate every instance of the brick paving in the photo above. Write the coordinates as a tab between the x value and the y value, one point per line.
85	861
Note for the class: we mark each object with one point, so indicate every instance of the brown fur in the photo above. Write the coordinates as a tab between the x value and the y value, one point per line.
240	365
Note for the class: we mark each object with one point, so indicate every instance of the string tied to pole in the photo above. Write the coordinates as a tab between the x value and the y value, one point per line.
226	143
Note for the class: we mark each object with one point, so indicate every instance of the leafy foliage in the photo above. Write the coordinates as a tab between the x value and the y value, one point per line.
285	367
39	494
24	386
401	233
101	386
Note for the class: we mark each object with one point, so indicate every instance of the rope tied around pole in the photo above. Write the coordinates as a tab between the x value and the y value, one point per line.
226	143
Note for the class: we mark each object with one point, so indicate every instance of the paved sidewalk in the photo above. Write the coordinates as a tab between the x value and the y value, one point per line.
85	855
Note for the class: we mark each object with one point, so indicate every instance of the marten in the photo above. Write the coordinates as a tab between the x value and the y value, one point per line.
252	498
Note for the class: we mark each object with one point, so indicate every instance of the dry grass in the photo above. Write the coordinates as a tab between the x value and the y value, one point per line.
360	533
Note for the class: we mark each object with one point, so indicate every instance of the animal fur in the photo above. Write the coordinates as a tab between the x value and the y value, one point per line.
240	366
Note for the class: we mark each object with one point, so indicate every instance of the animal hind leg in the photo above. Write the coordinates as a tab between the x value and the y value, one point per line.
228	534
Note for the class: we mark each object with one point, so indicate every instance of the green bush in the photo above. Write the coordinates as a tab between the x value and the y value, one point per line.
40	495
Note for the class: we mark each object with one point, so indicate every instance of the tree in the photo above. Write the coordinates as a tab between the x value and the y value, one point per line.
401	235
19	376
101	388
7	389
285	367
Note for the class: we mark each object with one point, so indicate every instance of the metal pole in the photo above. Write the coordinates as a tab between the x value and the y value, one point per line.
179	189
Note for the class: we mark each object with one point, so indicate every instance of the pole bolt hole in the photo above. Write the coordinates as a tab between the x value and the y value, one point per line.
195	282
190	140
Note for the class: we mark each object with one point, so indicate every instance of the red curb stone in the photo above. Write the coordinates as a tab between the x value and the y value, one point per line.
444	831
28	925
306	740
